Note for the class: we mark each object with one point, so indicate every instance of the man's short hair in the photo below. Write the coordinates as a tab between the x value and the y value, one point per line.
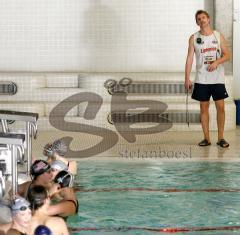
201	12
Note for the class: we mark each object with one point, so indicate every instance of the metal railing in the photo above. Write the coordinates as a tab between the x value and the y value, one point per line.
30	127
15	143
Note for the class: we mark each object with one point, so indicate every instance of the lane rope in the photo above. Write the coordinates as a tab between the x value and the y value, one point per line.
162	230
167	190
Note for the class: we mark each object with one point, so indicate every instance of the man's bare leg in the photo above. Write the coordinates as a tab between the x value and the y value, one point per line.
220	117
204	109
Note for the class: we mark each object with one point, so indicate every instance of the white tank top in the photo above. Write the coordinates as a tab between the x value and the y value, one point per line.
207	50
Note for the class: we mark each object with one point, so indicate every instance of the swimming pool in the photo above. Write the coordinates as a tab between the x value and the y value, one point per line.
146	197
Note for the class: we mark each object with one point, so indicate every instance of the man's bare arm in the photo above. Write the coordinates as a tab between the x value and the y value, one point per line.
189	62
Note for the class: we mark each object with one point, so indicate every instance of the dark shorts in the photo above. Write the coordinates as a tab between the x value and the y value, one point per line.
203	92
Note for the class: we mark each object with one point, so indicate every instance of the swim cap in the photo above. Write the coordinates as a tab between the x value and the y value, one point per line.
39	167
47	150
59	165
19	204
59	147
64	178
42	230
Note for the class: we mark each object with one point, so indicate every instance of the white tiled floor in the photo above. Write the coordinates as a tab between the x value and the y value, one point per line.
169	146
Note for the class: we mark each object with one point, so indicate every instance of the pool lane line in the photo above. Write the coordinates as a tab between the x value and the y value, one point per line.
167	190
160	230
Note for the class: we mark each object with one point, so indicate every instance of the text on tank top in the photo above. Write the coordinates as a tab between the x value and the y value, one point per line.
207	50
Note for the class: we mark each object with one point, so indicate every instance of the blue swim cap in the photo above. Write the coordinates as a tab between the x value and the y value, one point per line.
42	230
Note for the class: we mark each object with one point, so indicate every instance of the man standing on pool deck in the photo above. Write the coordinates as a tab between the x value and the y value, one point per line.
211	52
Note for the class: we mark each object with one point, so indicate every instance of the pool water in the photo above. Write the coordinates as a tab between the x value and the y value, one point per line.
144	197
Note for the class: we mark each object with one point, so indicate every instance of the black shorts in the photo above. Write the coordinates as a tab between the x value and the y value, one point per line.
203	92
